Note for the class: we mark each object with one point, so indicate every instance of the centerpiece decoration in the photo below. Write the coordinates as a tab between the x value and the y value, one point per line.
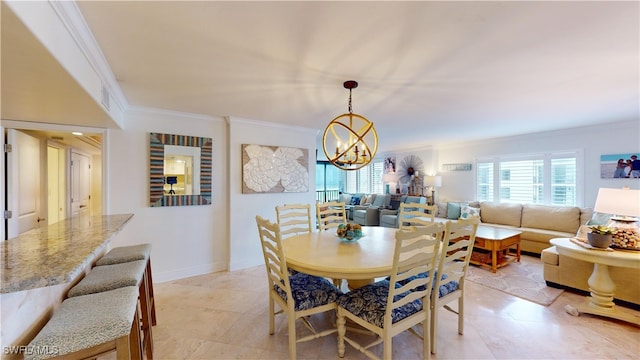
349	232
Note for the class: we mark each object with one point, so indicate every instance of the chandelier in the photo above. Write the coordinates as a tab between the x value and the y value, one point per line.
350	141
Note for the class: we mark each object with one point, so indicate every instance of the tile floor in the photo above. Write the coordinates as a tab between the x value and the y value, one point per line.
224	316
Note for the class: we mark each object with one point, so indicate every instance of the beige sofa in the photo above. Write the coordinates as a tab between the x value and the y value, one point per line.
538	223
564	271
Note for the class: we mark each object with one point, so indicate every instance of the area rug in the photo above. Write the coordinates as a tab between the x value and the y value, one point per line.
523	279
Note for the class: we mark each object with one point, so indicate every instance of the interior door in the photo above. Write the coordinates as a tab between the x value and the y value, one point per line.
23	184
80	183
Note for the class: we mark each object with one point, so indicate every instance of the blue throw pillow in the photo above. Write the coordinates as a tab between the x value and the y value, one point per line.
453	211
355	200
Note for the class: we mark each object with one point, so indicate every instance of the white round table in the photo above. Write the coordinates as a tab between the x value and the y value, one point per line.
600	284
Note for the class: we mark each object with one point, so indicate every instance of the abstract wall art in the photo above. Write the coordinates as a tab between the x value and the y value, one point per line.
274	169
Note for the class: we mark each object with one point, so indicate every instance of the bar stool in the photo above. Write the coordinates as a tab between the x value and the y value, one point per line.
109	277
124	254
88	326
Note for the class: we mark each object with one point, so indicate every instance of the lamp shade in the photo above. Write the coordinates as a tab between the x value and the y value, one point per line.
623	202
389	178
433	180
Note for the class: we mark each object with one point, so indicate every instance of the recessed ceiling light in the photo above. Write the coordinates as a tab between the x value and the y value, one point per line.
77	133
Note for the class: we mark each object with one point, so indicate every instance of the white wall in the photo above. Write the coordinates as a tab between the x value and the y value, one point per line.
594	141
186	240
244	244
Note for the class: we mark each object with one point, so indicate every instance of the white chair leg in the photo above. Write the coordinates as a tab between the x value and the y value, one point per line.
460	315
291	320
342	329
434	326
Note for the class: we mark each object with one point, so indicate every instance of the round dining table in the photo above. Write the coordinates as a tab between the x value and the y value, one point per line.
322	253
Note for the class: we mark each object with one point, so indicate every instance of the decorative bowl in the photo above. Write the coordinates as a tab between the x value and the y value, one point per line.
349	239
349	232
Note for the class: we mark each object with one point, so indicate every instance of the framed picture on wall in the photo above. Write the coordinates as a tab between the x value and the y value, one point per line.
389	164
620	166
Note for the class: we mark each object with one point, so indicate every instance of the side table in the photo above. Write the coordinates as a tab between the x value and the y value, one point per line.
602	288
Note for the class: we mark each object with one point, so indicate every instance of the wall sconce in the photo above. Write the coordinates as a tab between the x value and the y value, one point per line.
350	141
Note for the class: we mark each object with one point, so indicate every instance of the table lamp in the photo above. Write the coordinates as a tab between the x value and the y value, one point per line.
624	206
433	181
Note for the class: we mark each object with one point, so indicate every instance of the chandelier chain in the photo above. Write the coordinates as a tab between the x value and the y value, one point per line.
350	110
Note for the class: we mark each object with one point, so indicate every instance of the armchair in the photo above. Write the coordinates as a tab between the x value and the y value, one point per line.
389	217
370	215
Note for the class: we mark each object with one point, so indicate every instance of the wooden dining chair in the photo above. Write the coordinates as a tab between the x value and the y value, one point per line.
391	306
414	214
298	296
459	237
330	215
294	219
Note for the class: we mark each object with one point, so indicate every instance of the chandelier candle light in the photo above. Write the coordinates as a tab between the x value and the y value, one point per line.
624	205
352	136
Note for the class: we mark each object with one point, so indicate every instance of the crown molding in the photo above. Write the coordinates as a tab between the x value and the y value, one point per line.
71	17
235	120
131	110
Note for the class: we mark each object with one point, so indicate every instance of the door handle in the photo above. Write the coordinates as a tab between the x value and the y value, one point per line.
40	219
83	206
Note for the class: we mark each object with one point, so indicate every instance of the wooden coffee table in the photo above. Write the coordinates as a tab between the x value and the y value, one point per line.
498	242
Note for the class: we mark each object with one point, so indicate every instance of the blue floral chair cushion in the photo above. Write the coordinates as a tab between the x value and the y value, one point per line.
369	303
309	291
442	291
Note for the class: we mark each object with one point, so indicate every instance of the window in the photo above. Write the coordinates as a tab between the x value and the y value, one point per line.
367	180
329	181
536	179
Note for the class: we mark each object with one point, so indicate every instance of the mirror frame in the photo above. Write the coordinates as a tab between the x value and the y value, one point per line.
157	141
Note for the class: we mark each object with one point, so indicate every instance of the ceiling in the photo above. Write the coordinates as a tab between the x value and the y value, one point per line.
429	73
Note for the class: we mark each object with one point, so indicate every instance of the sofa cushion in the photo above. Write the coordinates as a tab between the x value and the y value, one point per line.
345	198
355	200
468	211
598	219
556	218
453	210
380	201
501	213
542	235
550	256
441	212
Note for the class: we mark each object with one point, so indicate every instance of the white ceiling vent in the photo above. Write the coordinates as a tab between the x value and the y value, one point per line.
105	97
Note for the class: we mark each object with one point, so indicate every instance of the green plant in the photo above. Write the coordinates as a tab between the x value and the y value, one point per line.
599	229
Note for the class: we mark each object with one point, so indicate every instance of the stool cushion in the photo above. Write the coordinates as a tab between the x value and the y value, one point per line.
125	254
86	321
109	277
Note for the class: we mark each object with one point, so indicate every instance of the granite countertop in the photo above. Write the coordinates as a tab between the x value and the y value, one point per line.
55	254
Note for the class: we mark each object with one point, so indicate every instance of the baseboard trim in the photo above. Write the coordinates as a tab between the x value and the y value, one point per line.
188	272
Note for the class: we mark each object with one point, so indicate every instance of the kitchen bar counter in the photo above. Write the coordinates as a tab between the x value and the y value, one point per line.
56	254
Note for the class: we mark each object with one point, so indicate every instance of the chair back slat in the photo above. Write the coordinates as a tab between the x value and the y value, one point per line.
294	219
330	215
415	214
415	254
273	252
459	237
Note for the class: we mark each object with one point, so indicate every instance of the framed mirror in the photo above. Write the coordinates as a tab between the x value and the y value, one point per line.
179	170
